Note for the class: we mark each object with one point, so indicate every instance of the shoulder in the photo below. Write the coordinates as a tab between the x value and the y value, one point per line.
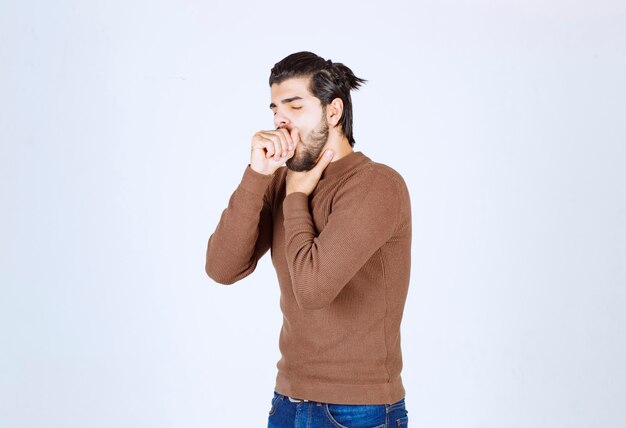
386	171
389	190
370	183
381	176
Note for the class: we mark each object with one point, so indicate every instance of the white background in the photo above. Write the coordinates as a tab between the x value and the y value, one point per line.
126	125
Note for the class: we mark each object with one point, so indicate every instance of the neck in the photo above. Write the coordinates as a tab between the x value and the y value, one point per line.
339	144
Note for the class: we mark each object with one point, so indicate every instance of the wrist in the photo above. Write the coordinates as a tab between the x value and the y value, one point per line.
262	172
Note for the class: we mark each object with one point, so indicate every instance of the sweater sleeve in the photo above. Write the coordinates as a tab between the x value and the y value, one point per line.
364	216
244	232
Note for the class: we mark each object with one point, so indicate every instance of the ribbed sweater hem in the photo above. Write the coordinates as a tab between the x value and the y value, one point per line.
341	393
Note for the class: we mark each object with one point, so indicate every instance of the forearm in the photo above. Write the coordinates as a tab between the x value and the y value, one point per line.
243	233
321	264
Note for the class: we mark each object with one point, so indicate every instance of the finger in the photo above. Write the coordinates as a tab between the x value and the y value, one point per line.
283	143
287	135
295	136
324	161
274	137
279	147
269	146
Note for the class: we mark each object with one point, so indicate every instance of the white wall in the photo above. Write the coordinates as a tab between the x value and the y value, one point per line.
125	126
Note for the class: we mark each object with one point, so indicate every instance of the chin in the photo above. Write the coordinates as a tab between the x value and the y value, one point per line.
298	165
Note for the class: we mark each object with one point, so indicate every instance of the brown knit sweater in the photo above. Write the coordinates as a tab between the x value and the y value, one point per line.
342	256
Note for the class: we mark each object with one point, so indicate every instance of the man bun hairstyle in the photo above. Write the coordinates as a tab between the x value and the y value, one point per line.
328	80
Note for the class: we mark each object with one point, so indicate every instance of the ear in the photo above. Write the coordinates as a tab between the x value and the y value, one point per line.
334	111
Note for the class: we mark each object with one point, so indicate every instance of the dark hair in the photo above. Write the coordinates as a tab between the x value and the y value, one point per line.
328	81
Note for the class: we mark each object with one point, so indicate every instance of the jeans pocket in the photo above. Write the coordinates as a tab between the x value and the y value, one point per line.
356	415
275	401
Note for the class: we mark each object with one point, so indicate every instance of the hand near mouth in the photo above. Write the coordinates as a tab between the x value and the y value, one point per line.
270	149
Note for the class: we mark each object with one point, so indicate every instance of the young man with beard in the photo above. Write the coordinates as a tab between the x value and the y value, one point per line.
339	229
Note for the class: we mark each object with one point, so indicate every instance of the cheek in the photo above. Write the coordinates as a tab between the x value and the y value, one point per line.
306	124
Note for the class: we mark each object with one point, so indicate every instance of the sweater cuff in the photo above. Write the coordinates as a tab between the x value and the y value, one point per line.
255	182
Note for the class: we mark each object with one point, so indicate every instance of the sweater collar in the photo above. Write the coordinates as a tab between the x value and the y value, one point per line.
344	164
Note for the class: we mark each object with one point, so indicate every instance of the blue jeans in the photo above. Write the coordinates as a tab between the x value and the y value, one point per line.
285	412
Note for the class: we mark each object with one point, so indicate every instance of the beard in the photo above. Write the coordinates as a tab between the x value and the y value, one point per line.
309	149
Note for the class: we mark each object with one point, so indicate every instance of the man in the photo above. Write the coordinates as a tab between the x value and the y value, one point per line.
339	229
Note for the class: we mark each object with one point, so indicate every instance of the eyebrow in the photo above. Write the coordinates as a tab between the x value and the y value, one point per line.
286	100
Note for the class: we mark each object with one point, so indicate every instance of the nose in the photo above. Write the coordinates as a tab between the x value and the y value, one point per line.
280	120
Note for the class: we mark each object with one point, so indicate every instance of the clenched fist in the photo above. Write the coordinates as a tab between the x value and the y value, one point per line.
270	149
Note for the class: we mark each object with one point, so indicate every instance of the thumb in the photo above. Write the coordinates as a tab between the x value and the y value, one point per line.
324	160
295	135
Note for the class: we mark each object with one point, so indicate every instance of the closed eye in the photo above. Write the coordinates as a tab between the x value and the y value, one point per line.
294	108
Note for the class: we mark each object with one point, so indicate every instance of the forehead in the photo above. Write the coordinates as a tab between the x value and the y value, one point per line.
296	86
